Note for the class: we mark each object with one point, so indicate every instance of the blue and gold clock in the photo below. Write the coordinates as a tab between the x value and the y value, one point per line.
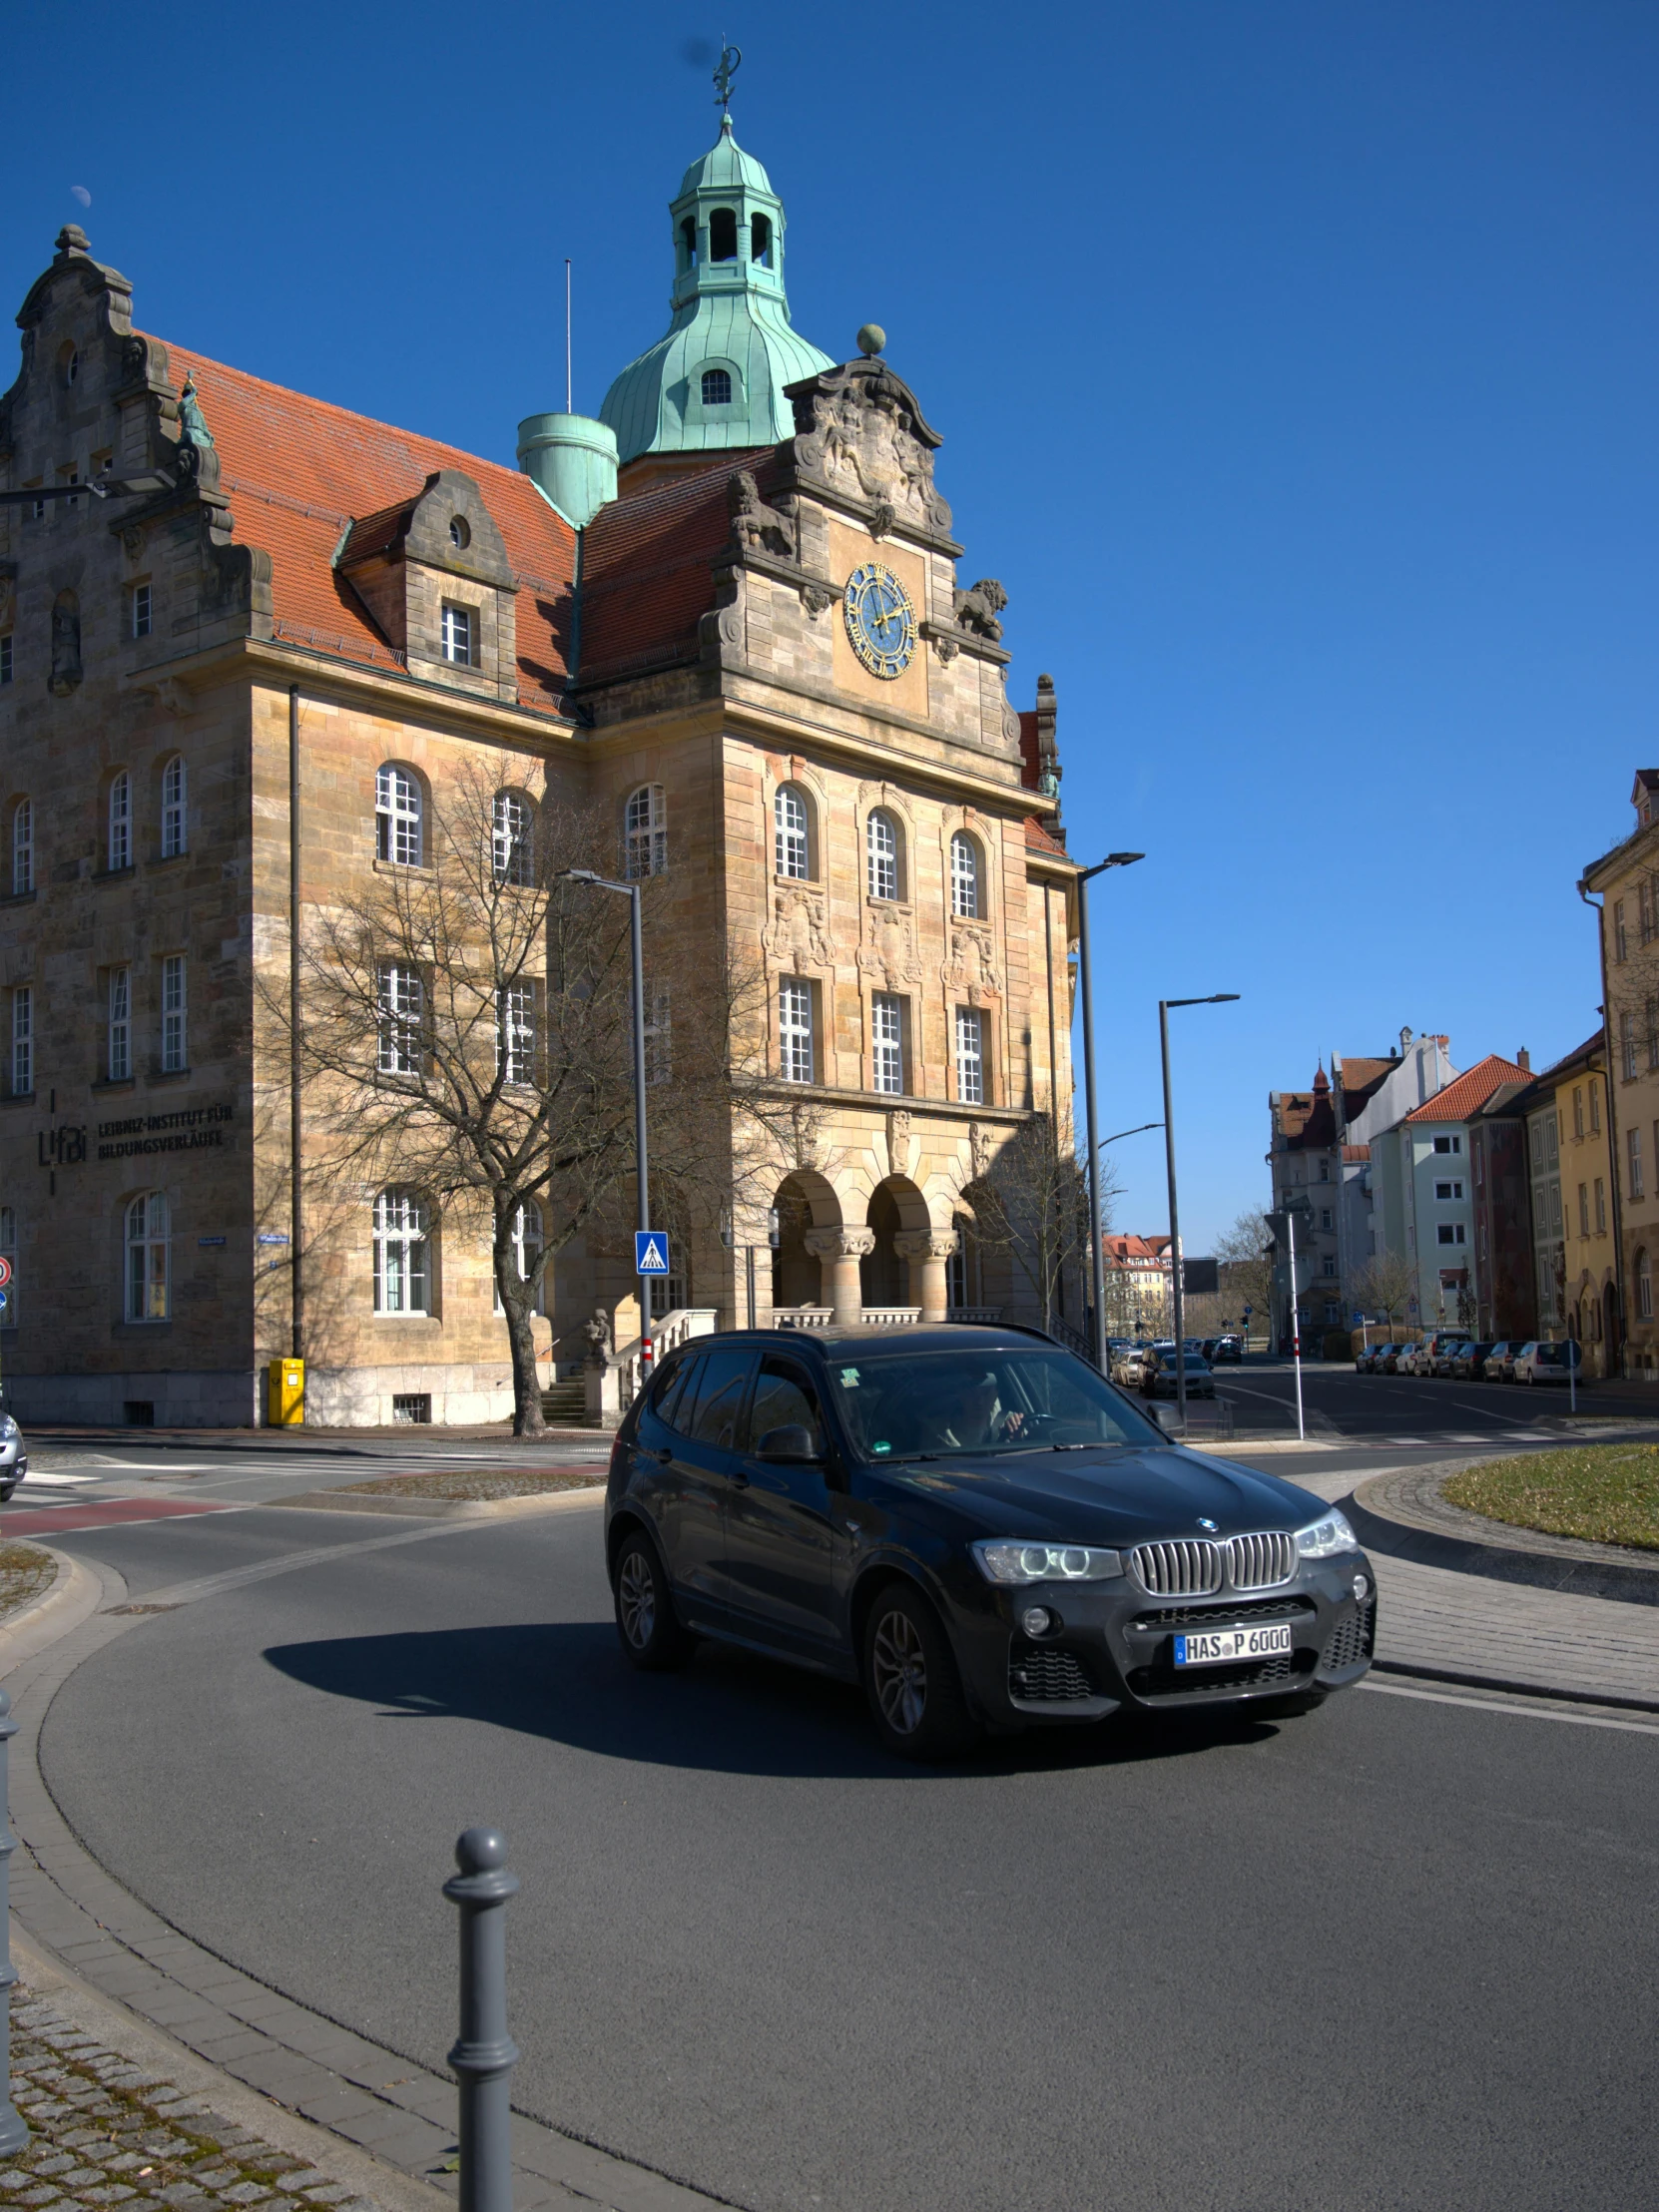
880	620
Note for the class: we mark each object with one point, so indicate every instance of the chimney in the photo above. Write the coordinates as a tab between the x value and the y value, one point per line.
1523	1059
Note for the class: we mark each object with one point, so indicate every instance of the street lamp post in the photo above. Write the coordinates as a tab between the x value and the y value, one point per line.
631	892
1215	998
1112	860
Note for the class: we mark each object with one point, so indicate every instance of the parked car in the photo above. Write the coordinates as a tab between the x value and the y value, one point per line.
14	1457
1388	1358
1443	1356
1129	1365
1467	1361
1501	1362
1542	1362
1369	1360
867	1504
1158	1377
1409	1360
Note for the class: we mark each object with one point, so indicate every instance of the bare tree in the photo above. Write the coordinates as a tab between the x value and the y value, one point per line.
1245	1252
1385	1284
468	1032
1035	1206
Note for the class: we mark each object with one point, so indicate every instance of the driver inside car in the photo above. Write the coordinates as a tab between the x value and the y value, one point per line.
976	1415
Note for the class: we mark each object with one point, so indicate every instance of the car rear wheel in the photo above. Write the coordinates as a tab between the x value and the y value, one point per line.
652	1638
911	1679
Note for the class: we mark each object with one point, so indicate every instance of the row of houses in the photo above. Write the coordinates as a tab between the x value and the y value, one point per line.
1508	1201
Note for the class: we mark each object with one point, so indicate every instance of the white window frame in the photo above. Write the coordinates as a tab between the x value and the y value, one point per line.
400	816
965	891
1644	1286
142	601
791	835
117	850
146	1258
645	834
529	1239
886	1032
515	1033
513	838
175	1059
402	993
1450	1233
970	1056
795	1053
119	1063
174	795
1444	1145
23	847
22	1041
1633	1145
402	1256
459	634
881	854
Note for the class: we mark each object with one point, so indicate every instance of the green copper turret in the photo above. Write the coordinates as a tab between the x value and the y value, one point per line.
715	382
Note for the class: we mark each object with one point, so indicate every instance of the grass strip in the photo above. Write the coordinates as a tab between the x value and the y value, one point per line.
486	1483
1604	1493
25	1570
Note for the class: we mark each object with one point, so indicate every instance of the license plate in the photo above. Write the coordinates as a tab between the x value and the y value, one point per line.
1217	1647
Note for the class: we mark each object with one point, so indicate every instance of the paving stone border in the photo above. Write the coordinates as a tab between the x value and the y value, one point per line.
1403	1514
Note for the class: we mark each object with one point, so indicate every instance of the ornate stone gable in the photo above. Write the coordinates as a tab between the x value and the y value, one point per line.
973	972
860	435
798	937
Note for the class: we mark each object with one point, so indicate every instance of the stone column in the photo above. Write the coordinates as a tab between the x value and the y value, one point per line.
837	1253
927	1251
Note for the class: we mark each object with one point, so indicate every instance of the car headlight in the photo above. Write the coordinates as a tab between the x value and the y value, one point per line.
8	1427
1332	1533
1009	1562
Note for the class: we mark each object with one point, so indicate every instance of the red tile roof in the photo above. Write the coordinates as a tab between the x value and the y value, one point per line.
1471	1091
1123	1251
648	566
299	469
1040	838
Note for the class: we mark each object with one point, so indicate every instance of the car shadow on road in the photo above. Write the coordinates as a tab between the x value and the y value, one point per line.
729	1711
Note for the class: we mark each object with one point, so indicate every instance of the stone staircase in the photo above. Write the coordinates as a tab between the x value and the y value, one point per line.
565	1405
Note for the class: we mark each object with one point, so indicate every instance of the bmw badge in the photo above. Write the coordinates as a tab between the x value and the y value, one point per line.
1206	1523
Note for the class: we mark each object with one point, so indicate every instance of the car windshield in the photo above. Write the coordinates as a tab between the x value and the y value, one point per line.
1006	1400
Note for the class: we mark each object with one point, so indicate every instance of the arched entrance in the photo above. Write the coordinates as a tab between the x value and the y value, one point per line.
805	1201
883	1278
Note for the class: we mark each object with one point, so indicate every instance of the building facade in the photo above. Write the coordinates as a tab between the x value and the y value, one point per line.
238	689
1138	1285
1570	1173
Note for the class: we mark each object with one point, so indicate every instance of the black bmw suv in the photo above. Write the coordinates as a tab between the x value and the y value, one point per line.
977	1528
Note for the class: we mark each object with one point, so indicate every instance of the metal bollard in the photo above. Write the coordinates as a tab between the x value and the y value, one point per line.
484	2054
14	2128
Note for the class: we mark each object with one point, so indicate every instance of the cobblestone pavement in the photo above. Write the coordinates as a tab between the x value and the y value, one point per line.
104	2131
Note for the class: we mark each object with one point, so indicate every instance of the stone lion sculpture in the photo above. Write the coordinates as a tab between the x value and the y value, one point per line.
754	523
978	607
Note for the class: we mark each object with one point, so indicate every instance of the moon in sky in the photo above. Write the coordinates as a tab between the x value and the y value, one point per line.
80	191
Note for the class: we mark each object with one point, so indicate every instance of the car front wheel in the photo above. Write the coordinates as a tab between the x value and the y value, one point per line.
912	1681
650	1636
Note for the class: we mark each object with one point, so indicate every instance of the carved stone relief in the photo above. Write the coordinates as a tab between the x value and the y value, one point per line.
798	936
66	643
979	1150
972	970
860	430
978	607
898	1141
755	525
816	597
889	951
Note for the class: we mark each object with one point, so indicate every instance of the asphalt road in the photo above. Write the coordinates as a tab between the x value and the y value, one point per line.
1399	1953
1375	1408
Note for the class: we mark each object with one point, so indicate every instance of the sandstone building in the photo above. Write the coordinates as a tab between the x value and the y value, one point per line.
728	612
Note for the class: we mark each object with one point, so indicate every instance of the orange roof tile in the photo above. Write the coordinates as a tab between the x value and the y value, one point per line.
1471	1091
1040	838
299	469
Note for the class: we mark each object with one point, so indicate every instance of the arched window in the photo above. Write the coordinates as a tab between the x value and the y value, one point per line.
397	817
173	808
722	234
23	847
881	847
791	832
964	877
760	240
514	839
646	834
119	849
1644	1286
717	387
688	241
403	1254
146	1250
527	1250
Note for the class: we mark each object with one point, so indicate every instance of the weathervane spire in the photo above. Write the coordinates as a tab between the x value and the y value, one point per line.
730	59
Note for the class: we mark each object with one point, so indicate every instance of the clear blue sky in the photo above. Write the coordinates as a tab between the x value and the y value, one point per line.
1295	363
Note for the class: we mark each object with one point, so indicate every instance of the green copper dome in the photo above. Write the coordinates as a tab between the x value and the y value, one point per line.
715	382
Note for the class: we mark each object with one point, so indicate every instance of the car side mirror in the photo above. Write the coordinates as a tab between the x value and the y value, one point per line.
791	1443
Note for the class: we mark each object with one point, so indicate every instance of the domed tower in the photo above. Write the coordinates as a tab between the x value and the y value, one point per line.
715	383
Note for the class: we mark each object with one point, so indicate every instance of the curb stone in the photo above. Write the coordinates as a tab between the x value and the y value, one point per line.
443	1508
1402	1514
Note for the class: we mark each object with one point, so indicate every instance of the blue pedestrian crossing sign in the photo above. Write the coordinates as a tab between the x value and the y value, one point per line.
650	1252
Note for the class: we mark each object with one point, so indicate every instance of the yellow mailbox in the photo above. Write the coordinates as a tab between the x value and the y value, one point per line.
286	1402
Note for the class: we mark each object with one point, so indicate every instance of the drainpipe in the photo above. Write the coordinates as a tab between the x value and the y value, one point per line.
297	1220
1608	1051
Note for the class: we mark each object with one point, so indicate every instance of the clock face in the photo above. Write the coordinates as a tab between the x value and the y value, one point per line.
880	621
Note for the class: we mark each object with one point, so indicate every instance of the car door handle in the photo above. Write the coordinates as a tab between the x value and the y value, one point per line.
662	1456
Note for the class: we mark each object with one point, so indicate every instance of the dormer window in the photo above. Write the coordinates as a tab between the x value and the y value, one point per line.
722	234
460	534
717	387
759	242
457	635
